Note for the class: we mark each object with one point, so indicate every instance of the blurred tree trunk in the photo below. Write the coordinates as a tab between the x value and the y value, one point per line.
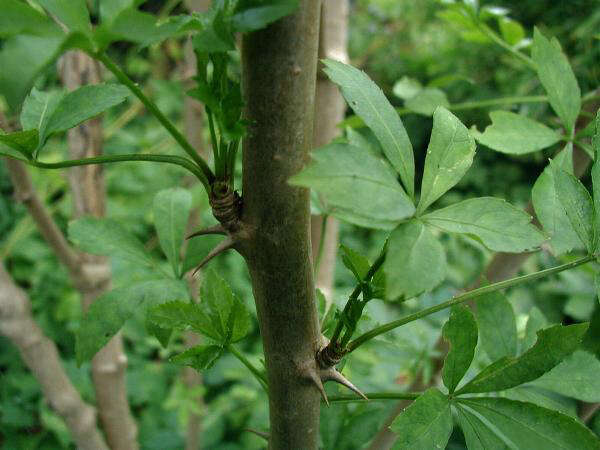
41	357
193	118
87	187
329	111
279	70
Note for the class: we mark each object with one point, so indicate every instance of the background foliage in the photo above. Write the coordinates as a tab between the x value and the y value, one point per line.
396	43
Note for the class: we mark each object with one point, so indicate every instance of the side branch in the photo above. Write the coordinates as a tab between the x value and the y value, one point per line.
353	345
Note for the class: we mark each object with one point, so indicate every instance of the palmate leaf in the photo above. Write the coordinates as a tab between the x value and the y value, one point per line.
496	223
108	313
370	104
461	333
358	186
449	155
516	134
171	211
220	315
200	357
500	423
426	424
553	345
557	77
415	261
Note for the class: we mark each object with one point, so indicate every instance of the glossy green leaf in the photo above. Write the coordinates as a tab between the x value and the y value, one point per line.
535	322
56	111
22	58
516	134
426	424
576	377
108	313
83	104
406	88
369	103
18	17
253	15
171	213
200	357
449	155
37	111
426	101
549	210
512	31
577	203
596	178
497	325
499	423
354	180
71	13
107	237
497	224
557	77
24	142
355	262
553	345
110	9
461	333
415	261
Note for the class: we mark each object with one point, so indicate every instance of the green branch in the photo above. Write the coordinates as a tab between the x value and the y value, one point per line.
260	377
374	396
505	45
107	159
353	345
208	176
355	293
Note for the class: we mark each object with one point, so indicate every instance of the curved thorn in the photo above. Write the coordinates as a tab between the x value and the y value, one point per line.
333	375
261	434
222	247
319	385
215	229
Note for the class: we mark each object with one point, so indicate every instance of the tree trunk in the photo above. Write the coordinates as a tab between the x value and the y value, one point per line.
87	187
329	111
41	357
279	70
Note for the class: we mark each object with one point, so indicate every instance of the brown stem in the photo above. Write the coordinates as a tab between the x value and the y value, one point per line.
25	193
87	187
41	357
279	70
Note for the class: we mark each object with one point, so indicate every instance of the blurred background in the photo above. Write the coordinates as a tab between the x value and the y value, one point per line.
400	44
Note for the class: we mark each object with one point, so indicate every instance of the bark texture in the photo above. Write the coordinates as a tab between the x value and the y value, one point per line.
87	187
41	357
279	70
329	111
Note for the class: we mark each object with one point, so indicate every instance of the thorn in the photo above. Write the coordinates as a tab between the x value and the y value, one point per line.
333	375
222	247
319	384
261	434
215	229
